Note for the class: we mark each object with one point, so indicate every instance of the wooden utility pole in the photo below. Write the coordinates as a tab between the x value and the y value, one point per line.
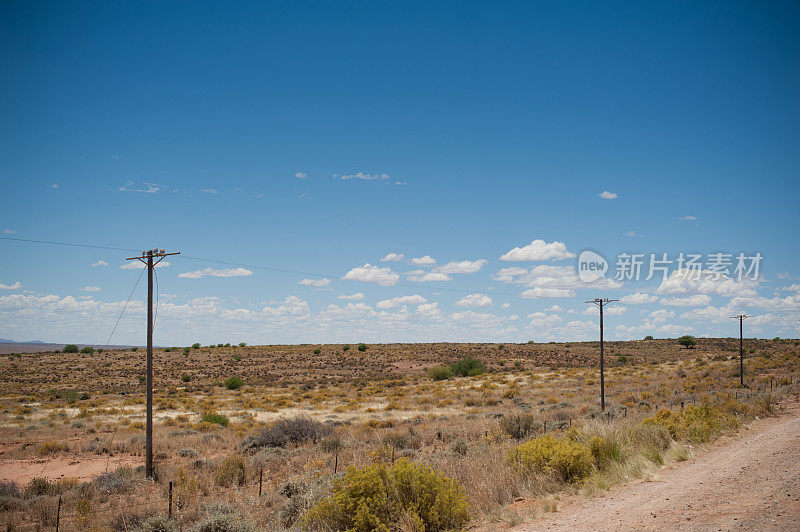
601	303
147	259
741	317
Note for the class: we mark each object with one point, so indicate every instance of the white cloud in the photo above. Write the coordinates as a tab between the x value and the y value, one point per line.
422	276
662	314
429	310
392	257
138	265
631	233
9	231
144	187
209	272
16	286
687	218
687	281
403	300
291	306
209	190
99	263
538	250
464	266
547	292
506	305
53	186
372	274
638	298
792	288
427	260
547	276
362	176
610	310
90	289
315	282
301	175
608	195
352	297
475	300
697	300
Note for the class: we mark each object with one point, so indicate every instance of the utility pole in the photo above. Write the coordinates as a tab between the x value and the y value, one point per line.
741	317
600	302
147	259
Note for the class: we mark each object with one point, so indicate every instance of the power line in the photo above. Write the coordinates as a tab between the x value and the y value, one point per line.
72	244
600	302
124	307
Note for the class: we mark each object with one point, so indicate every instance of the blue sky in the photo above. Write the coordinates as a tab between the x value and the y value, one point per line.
321	137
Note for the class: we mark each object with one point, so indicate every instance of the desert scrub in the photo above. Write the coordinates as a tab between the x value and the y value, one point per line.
696	423
570	460
230	471
51	447
520	426
381	497
284	431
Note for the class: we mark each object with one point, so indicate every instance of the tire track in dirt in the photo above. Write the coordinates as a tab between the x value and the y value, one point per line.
747	482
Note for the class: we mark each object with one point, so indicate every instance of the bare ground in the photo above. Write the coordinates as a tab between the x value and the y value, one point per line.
750	481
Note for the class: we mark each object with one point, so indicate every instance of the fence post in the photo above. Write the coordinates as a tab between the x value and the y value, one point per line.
169	514
260	480
58	514
336	462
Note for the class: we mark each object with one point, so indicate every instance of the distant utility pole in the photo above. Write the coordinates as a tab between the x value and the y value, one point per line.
147	259
741	317
601	303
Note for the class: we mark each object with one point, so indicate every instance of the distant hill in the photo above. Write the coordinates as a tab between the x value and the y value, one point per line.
6	341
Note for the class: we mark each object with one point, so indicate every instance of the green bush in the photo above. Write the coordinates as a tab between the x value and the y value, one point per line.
88	350
219	419
467	367
570	460
186	351
196	345
242	344
317	351
362	347
648	337
70	348
688	341
186	377
440	373
381	496
345	347
234	383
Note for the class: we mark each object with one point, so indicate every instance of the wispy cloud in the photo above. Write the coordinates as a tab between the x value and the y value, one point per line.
90	289
427	260
301	175
464	266
392	257
143	187
52	185
352	297
475	300
210	272
687	218
315	282
10	232
209	190
100	262
608	195
363	176
137	265
15	286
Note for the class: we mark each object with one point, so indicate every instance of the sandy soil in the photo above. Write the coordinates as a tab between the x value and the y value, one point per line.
22	471
747	482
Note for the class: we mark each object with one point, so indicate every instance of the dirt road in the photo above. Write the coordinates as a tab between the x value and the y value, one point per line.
747	482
